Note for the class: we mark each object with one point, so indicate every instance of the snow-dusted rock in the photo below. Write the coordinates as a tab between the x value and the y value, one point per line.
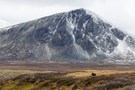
78	35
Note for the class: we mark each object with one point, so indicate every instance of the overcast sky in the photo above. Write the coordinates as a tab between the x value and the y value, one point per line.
121	13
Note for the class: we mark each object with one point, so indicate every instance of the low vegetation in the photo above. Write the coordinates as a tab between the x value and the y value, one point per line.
53	76
62	81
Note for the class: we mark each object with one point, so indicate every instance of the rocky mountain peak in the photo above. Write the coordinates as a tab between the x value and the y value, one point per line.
78	35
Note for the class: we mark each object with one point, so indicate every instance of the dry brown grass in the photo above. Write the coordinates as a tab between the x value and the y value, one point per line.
56	81
86	73
75	74
8	74
67	77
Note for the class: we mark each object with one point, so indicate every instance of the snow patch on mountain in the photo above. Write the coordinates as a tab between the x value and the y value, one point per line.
3	24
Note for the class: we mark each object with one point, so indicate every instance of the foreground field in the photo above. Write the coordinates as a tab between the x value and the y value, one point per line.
52	76
58	81
76	80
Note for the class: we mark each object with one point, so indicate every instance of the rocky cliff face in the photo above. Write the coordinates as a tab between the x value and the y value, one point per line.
78	35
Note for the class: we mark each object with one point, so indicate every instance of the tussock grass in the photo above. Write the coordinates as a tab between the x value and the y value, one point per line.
83	80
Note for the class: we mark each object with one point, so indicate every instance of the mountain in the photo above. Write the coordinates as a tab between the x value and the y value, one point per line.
78	35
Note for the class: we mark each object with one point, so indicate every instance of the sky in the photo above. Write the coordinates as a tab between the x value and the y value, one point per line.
120	13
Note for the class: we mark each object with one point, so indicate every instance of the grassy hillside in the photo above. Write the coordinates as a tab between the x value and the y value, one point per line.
104	80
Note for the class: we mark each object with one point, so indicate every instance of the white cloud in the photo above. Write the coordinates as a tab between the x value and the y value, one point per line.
119	12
